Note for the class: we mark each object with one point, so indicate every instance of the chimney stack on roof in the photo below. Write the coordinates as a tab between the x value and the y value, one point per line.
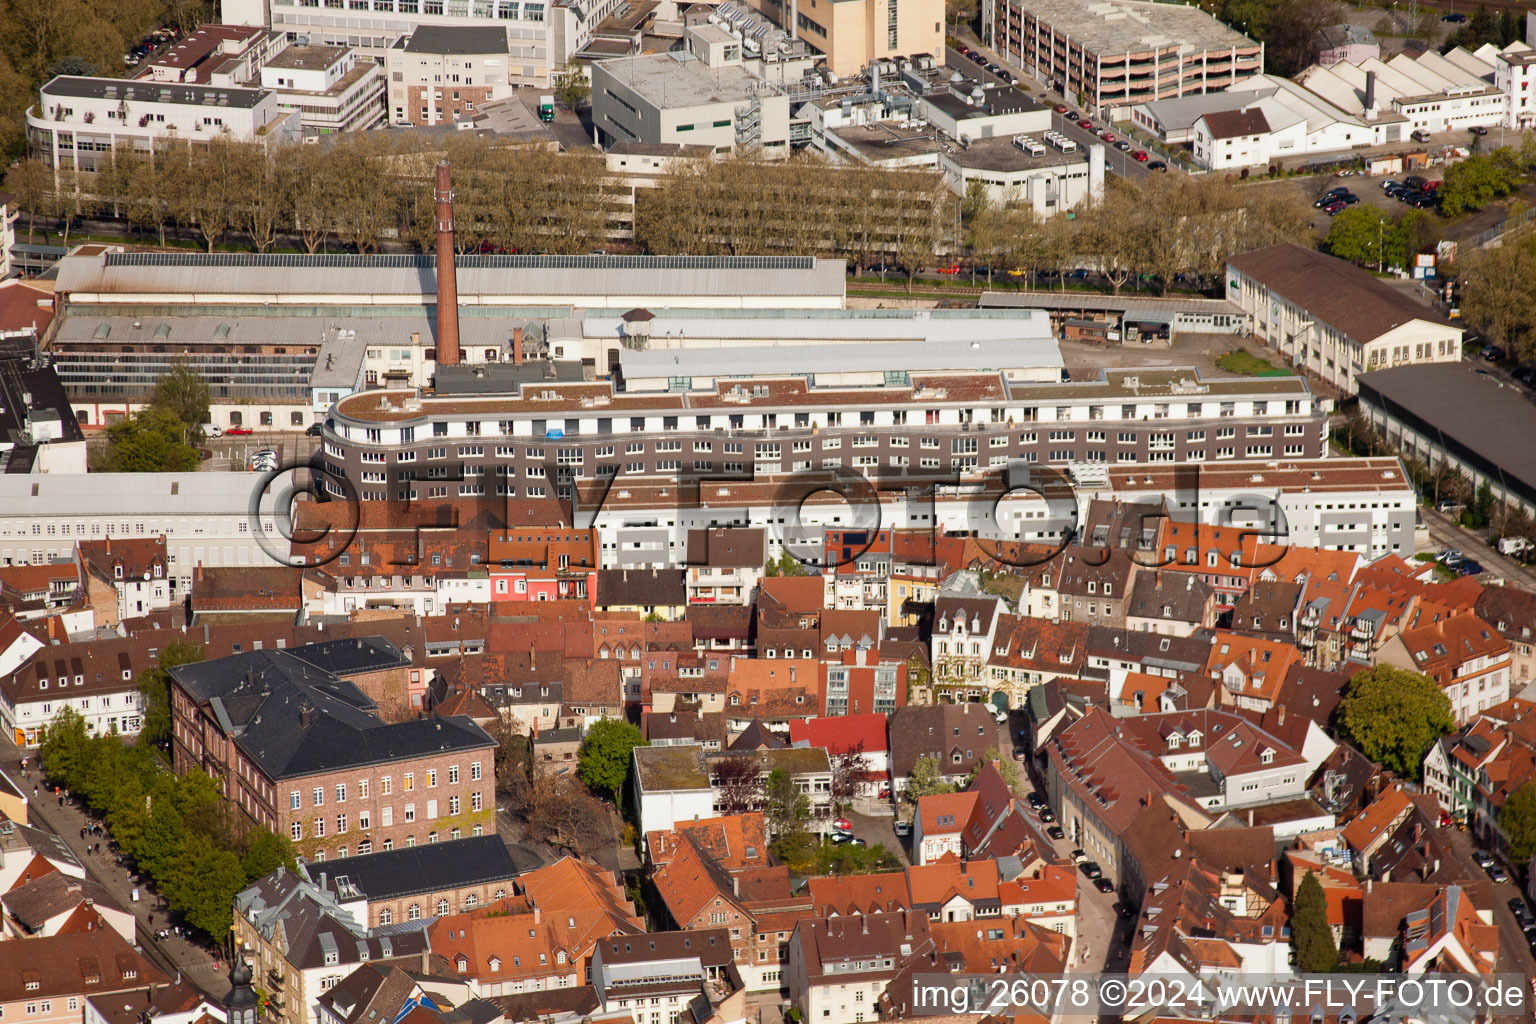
447	286
517	346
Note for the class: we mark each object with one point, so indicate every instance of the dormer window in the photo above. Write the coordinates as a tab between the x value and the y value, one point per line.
1173	741
462	963
1107	588
117	572
1092	587
1266	757
1194	738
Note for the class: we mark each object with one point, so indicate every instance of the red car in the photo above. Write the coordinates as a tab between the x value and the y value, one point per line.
1086	126
1107	136
953	268
965	51
1061	108
1140	155
238	432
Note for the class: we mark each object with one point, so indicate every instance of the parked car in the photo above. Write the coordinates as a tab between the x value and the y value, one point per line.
1492	353
239	432
1091	869
1518	907
1047	815
1107	136
1526	375
839	838
314	429
1061	108
1334	208
210	431
1157	165
964	50
1104	885
1056	832
1349	199
1478	129
1086	125
1470	568
953	268
1390	184
1454	18
1123	146
1497	873
1482	857
1078	856
903	828
842	825
1035	800
1140	156
1449	508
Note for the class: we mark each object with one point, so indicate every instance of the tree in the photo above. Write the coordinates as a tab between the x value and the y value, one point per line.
961	12
926	779
848	768
739	782
785	565
1393	716
268	852
605	755
30	182
1359	234
149	442
1473	183
1311	936
1006	768
1518	820
183	392
1499	292
572	86
785	807
564	813
155	690
1482	502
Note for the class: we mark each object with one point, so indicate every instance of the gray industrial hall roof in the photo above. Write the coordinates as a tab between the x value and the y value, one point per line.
1456	406
130	494
909	356
1107	303
291	278
1024	325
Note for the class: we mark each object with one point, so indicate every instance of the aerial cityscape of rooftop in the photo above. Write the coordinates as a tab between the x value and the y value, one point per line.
735	512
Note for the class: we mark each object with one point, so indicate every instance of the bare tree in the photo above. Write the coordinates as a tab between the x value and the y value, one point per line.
739	781
31	184
848	770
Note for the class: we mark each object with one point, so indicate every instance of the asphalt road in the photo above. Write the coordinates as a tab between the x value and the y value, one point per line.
1514	951
1445	533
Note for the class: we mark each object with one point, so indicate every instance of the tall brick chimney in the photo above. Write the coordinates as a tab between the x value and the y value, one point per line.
447	287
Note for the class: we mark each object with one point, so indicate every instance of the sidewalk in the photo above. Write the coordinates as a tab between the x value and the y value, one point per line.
193	963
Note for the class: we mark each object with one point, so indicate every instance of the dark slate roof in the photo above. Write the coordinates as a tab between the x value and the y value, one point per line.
264	698
939	730
643	587
419	869
460	39
307	923
757	737
379	988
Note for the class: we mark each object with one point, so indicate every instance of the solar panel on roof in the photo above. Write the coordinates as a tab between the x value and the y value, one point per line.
415	261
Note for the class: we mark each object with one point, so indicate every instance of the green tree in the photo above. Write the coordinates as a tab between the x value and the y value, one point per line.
1482	503
1359	234
926	778
785	806
1311	937
606	755
1518	820
155	690
204	885
64	747
785	565
1473	183
572	86
1393	716
149	442
1006	768
183	392
268	852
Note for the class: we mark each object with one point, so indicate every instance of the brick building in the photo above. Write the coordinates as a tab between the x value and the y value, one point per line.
301	749
409	884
